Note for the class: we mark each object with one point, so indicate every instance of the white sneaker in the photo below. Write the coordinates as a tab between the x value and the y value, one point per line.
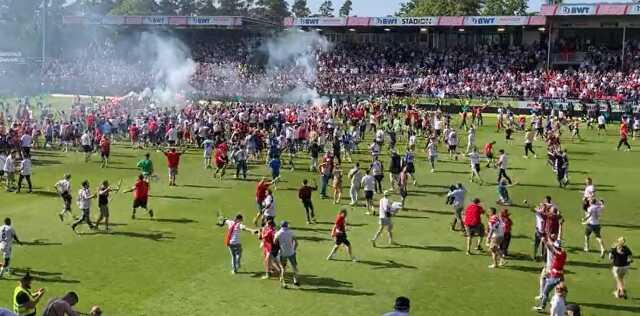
493	266
330	257
354	259
433	170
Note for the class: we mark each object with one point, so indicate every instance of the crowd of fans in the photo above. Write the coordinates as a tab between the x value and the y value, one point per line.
238	68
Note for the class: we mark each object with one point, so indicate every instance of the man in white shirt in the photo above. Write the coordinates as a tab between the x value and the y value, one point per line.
592	222
384	216
25	144
232	240
369	185
288	244
474	160
588	194
25	173
558	304
471	139
502	166
268	207
355	175
86	142
84	203
63	187
9	169
7	236
602	123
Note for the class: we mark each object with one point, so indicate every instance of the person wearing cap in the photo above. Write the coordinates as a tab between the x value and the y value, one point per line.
401	307
287	243
620	256
24	300
63	187
556	272
384	215
62	306
473	224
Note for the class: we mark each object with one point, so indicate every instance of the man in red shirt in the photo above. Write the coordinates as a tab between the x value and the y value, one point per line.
488	152
473	224
221	159
105	149
173	161
261	194
140	196
339	235
555	274
624	134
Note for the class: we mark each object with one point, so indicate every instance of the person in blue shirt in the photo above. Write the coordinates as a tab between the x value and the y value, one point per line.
275	164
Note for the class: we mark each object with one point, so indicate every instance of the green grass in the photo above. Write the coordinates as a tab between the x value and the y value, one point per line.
178	265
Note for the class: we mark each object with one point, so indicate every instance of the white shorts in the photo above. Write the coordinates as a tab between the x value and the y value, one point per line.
6	251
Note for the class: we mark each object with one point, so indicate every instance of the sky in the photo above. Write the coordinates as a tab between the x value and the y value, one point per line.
389	7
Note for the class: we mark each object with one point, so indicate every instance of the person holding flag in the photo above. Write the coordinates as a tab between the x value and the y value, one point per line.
232	239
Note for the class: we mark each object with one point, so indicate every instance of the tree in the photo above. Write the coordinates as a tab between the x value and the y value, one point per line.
346	8
505	7
187	7
300	9
274	10
231	7
326	9
406	8
135	7
168	7
442	7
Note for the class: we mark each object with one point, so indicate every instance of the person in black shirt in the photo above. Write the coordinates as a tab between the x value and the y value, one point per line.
395	166
103	203
620	256
304	193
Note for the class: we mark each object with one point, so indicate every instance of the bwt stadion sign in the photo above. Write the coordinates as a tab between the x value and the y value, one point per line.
577	9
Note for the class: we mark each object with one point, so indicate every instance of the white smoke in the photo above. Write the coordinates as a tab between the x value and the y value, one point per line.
171	66
297	51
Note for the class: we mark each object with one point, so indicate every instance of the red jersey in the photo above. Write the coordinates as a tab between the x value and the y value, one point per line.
624	131
339	226
173	159
105	145
267	235
552	224
133	132
472	215
141	191
507	224
488	149
557	263
261	191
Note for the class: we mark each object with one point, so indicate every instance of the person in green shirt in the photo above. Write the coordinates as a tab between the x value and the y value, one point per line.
146	166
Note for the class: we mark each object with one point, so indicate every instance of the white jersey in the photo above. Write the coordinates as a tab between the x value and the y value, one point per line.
601	120
431	149
594	212
384	208
85	139
6	237
589	192
474	158
63	186
502	161
369	183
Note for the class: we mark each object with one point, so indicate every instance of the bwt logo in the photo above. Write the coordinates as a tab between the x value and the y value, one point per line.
202	20
576	10
483	20
310	21
156	19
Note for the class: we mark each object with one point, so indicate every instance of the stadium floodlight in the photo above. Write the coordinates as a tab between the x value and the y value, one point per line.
319	30
460	30
542	29
424	29
387	30
352	30
501	29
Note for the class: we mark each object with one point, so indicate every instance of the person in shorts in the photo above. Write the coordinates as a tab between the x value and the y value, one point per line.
86	142
140	196
592	222
473	224
103	203
286	240
385	213
495	237
63	187
339	235
620	256
368	183
105	150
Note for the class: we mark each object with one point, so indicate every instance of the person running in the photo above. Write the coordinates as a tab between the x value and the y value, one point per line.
221	159
173	162
84	203
145	166
369	185
505	217
556	272
473	224
339	235
105	150
326	171
488	152
207	148
63	187
588	194
7	236
304	194
456	197
355	177
592	221
103	203
261	194
267	235
337	184
474	159
620	256
432	154
602	125
268	207
403	184
502	165
232	240
240	156
495	238
378	173
25	301
288	245
140	196
528	143
25	173
384	214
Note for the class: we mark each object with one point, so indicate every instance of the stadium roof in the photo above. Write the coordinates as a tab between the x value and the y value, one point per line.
177	21
575	9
